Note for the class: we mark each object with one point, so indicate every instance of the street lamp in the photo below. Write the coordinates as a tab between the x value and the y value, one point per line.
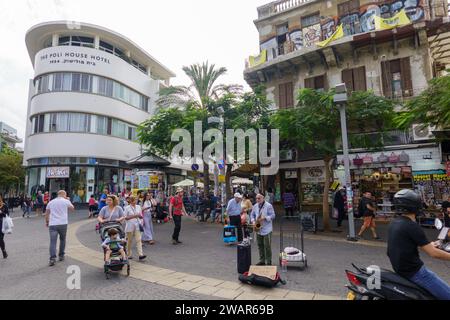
340	100
96	178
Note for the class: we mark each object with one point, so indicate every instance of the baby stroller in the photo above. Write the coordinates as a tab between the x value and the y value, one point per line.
161	213
116	262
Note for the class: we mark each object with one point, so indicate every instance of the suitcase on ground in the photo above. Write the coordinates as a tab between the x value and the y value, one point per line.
244	258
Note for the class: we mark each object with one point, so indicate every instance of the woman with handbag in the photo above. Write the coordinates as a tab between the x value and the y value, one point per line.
147	207
4	212
133	227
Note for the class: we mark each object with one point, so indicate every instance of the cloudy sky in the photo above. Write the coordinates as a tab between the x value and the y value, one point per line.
176	32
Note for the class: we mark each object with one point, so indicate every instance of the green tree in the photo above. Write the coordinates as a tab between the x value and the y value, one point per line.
12	173
431	107
200	94
315	122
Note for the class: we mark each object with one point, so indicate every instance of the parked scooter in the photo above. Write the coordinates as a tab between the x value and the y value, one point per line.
389	285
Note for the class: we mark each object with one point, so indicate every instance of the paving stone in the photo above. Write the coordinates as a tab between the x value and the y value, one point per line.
211	282
208	290
251	296
230	285
228	293
193	278
187	285
298	295
170	282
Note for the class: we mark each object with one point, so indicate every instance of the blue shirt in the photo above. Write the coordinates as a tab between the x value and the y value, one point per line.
268	212
234	208
101	203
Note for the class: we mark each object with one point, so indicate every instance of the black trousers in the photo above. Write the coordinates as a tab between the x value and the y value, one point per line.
236	221
2	241
341	216
176	231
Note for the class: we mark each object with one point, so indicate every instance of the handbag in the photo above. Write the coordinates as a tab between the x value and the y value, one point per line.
383	158
367	159
393	158
358	161
404	157
335	214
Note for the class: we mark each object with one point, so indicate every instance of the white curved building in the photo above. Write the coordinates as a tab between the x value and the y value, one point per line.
92	87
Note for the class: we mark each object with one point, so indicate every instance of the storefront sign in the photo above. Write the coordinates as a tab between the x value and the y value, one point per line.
291	174
315	174
154	179
127	175
58	172
436	175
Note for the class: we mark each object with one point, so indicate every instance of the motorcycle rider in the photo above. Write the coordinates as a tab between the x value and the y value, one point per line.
405	236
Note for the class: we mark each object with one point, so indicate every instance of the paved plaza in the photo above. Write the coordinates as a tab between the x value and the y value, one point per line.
203	267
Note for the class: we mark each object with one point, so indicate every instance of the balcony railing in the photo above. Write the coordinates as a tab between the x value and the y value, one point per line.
279	6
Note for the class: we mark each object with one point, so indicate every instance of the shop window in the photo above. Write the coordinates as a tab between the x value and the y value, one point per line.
396	78
286	95
355	79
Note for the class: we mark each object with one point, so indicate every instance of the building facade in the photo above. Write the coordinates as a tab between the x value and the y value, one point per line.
92	87
396	63
8	136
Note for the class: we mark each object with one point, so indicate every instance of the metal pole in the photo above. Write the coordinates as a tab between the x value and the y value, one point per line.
348	181
223	170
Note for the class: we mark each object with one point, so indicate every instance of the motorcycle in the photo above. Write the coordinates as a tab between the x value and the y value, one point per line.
391	286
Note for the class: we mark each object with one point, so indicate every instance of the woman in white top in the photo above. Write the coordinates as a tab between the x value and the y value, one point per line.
147	209
133	214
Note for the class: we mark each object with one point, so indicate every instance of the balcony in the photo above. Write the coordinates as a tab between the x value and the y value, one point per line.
280	6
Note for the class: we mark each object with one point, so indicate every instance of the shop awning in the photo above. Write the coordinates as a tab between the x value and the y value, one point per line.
148	161
242	181
188	183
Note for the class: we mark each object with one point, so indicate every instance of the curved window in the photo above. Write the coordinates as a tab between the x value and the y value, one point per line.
78	41
83	82
84	123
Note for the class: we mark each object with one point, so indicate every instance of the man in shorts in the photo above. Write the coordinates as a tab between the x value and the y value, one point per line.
369	209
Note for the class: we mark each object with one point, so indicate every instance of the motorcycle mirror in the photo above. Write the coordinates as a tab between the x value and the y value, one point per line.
438	224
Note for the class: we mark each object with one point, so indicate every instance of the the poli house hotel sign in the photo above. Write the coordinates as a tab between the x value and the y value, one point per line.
58	172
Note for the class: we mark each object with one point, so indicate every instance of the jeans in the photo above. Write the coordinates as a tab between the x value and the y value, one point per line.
236	221
213	215
428	280
56	231
2	241
265	248
176	231
341	215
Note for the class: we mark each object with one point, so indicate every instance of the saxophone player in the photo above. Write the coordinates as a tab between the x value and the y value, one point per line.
263	214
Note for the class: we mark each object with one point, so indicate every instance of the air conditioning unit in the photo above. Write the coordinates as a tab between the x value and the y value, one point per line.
422	132
287	155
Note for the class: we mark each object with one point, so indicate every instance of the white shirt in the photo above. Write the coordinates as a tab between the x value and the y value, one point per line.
59	211
133	224
147	204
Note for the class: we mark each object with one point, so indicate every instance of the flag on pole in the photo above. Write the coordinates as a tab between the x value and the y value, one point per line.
339	33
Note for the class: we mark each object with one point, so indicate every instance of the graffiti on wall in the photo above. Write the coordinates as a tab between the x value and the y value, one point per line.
356	22
311	35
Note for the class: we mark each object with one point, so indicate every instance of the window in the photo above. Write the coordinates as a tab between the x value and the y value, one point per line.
62	122
349	16
86	83
310	20
286	95
102	125
78	41
119	129
104	46
282	32
67	79
396	78
317	83
76	80
57	82
355	79
348	7
78	122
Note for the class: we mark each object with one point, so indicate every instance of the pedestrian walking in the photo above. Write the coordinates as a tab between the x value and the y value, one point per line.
368	211
263	214
27	205
289	203
234	214
46	200
56	219
147	211
112	211
39	203
176	211
92	206
4	212
133	215
339	205
247	208
102	199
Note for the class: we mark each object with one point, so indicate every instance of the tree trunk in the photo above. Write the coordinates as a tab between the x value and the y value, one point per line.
326	189
229	171
206	177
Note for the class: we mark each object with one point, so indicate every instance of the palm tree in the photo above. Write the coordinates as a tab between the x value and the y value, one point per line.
200	95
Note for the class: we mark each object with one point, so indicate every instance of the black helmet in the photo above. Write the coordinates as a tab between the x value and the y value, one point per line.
407	201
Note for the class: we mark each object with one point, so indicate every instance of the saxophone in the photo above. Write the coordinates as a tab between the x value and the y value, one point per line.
258	223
